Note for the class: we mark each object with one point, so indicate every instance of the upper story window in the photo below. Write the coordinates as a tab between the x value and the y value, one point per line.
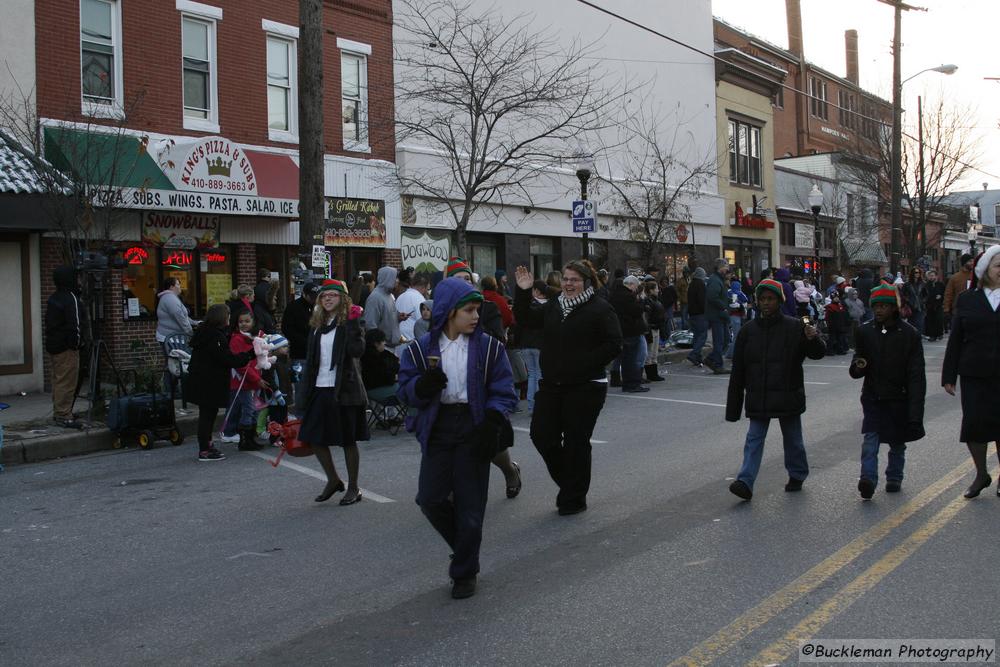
817	101
744	153
281	82
779	98
848	109
100	57
354	93
199	65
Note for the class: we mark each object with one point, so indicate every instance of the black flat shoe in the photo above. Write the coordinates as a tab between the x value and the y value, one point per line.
867	488
974	490
569	510
740	488
793	485
329	491
514	489
893	486
350	500
463	588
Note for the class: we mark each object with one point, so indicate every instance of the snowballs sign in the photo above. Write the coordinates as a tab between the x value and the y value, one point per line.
359	223
184	231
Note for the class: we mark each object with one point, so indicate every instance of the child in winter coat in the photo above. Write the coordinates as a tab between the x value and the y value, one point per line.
244	382
460	379
890	357
423	325
838	324
207	385
803	295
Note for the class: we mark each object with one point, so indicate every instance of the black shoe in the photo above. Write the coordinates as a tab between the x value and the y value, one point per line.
893	485
211	454
636	390
247	441
719	370
616	379
867	488
740	488
568	510
978	486
652	374
696	364
793	485
514	489
463	588
351	498
329	491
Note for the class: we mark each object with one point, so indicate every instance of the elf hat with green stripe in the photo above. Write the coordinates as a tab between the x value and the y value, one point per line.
455	266
772	285
333	285
885	294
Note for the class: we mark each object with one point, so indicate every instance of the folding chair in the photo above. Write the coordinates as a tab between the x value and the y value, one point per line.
380	413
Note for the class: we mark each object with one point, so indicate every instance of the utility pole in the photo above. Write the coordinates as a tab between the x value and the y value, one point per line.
311	145
896	177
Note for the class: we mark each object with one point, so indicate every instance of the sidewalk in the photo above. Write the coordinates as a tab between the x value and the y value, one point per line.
30	436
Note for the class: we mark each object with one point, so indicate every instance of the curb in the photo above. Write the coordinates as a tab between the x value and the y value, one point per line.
18	449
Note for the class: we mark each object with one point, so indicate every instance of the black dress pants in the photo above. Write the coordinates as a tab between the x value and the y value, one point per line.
561	427
454	485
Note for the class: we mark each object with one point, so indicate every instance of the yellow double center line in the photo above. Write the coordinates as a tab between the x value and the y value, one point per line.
725	639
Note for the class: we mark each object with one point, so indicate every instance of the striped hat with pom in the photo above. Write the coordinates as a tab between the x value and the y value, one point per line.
334	286
455	266
885	294
773	285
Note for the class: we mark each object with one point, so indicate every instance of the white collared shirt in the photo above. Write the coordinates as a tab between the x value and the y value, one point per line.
993	296
455	364
327	377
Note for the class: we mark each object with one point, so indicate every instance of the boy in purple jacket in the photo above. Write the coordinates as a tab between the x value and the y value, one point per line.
460	380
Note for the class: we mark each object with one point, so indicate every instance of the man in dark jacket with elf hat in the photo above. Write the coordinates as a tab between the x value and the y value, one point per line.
767	368
890	358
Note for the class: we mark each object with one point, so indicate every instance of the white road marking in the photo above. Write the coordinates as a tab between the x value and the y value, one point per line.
247	553
285	463
528	430
726	378
668	400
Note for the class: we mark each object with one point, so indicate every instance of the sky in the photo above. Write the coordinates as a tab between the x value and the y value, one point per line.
959	32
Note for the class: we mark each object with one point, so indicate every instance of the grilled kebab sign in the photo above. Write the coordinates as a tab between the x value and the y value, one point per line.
355	222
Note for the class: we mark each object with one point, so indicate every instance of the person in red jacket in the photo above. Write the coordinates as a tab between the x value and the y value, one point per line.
242	416
490	293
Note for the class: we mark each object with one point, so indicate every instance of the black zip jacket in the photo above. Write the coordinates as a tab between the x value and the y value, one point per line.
295	327
629	310
63	314
577	349
767	367
696	297
895	365
348	346
207	383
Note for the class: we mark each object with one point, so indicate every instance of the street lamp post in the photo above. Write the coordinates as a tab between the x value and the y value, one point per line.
584	169
896	177
816	204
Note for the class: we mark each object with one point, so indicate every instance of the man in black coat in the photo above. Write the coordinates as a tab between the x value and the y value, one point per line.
890	357
767	368
696	301
295	325
64	334
625	301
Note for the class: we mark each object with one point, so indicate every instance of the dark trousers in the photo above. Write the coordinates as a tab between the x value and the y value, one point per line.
453	487
632	359
720	341
206	422
561	426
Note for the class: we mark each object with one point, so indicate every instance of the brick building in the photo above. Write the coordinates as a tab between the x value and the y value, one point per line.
182	117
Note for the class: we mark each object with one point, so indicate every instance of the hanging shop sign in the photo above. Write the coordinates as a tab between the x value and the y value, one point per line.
752	220
425	251
185	231
804	235
359	223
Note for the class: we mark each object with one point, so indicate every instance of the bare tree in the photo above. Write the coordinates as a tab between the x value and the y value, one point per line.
661	173
494	102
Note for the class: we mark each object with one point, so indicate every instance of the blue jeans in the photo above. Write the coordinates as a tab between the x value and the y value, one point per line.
700	327
531	357
242	415
735	324
720	340
633	357
685	320
869	459
795	451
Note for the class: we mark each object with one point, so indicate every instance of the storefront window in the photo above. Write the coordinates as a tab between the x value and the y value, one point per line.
484	260
206	278
275	260
180	264
542	256
140	283
216	276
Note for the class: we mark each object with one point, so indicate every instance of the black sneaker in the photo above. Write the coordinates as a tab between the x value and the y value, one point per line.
740	488
866	488
893	485
211	454
793	485
463	588
636	390
570	510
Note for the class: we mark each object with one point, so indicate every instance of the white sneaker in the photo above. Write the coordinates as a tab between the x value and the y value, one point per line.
229	438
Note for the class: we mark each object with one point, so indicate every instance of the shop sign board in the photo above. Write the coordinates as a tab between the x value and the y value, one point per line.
425	251
803	235
358	223
183	231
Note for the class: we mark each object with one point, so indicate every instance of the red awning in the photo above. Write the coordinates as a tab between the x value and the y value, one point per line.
277	174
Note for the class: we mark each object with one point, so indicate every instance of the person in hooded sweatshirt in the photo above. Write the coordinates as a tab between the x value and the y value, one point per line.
380	309
460	380
423	325
64	327
784	276
209	373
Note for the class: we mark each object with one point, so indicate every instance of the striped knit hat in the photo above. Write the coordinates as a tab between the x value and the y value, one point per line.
333	286
455	266
773	285
885	294
475	296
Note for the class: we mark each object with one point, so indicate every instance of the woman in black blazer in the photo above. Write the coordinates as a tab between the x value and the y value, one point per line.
335	398
974	354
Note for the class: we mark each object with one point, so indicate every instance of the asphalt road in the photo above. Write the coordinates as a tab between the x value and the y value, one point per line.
149	557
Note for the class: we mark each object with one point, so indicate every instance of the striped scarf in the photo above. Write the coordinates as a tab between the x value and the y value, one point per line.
568	305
